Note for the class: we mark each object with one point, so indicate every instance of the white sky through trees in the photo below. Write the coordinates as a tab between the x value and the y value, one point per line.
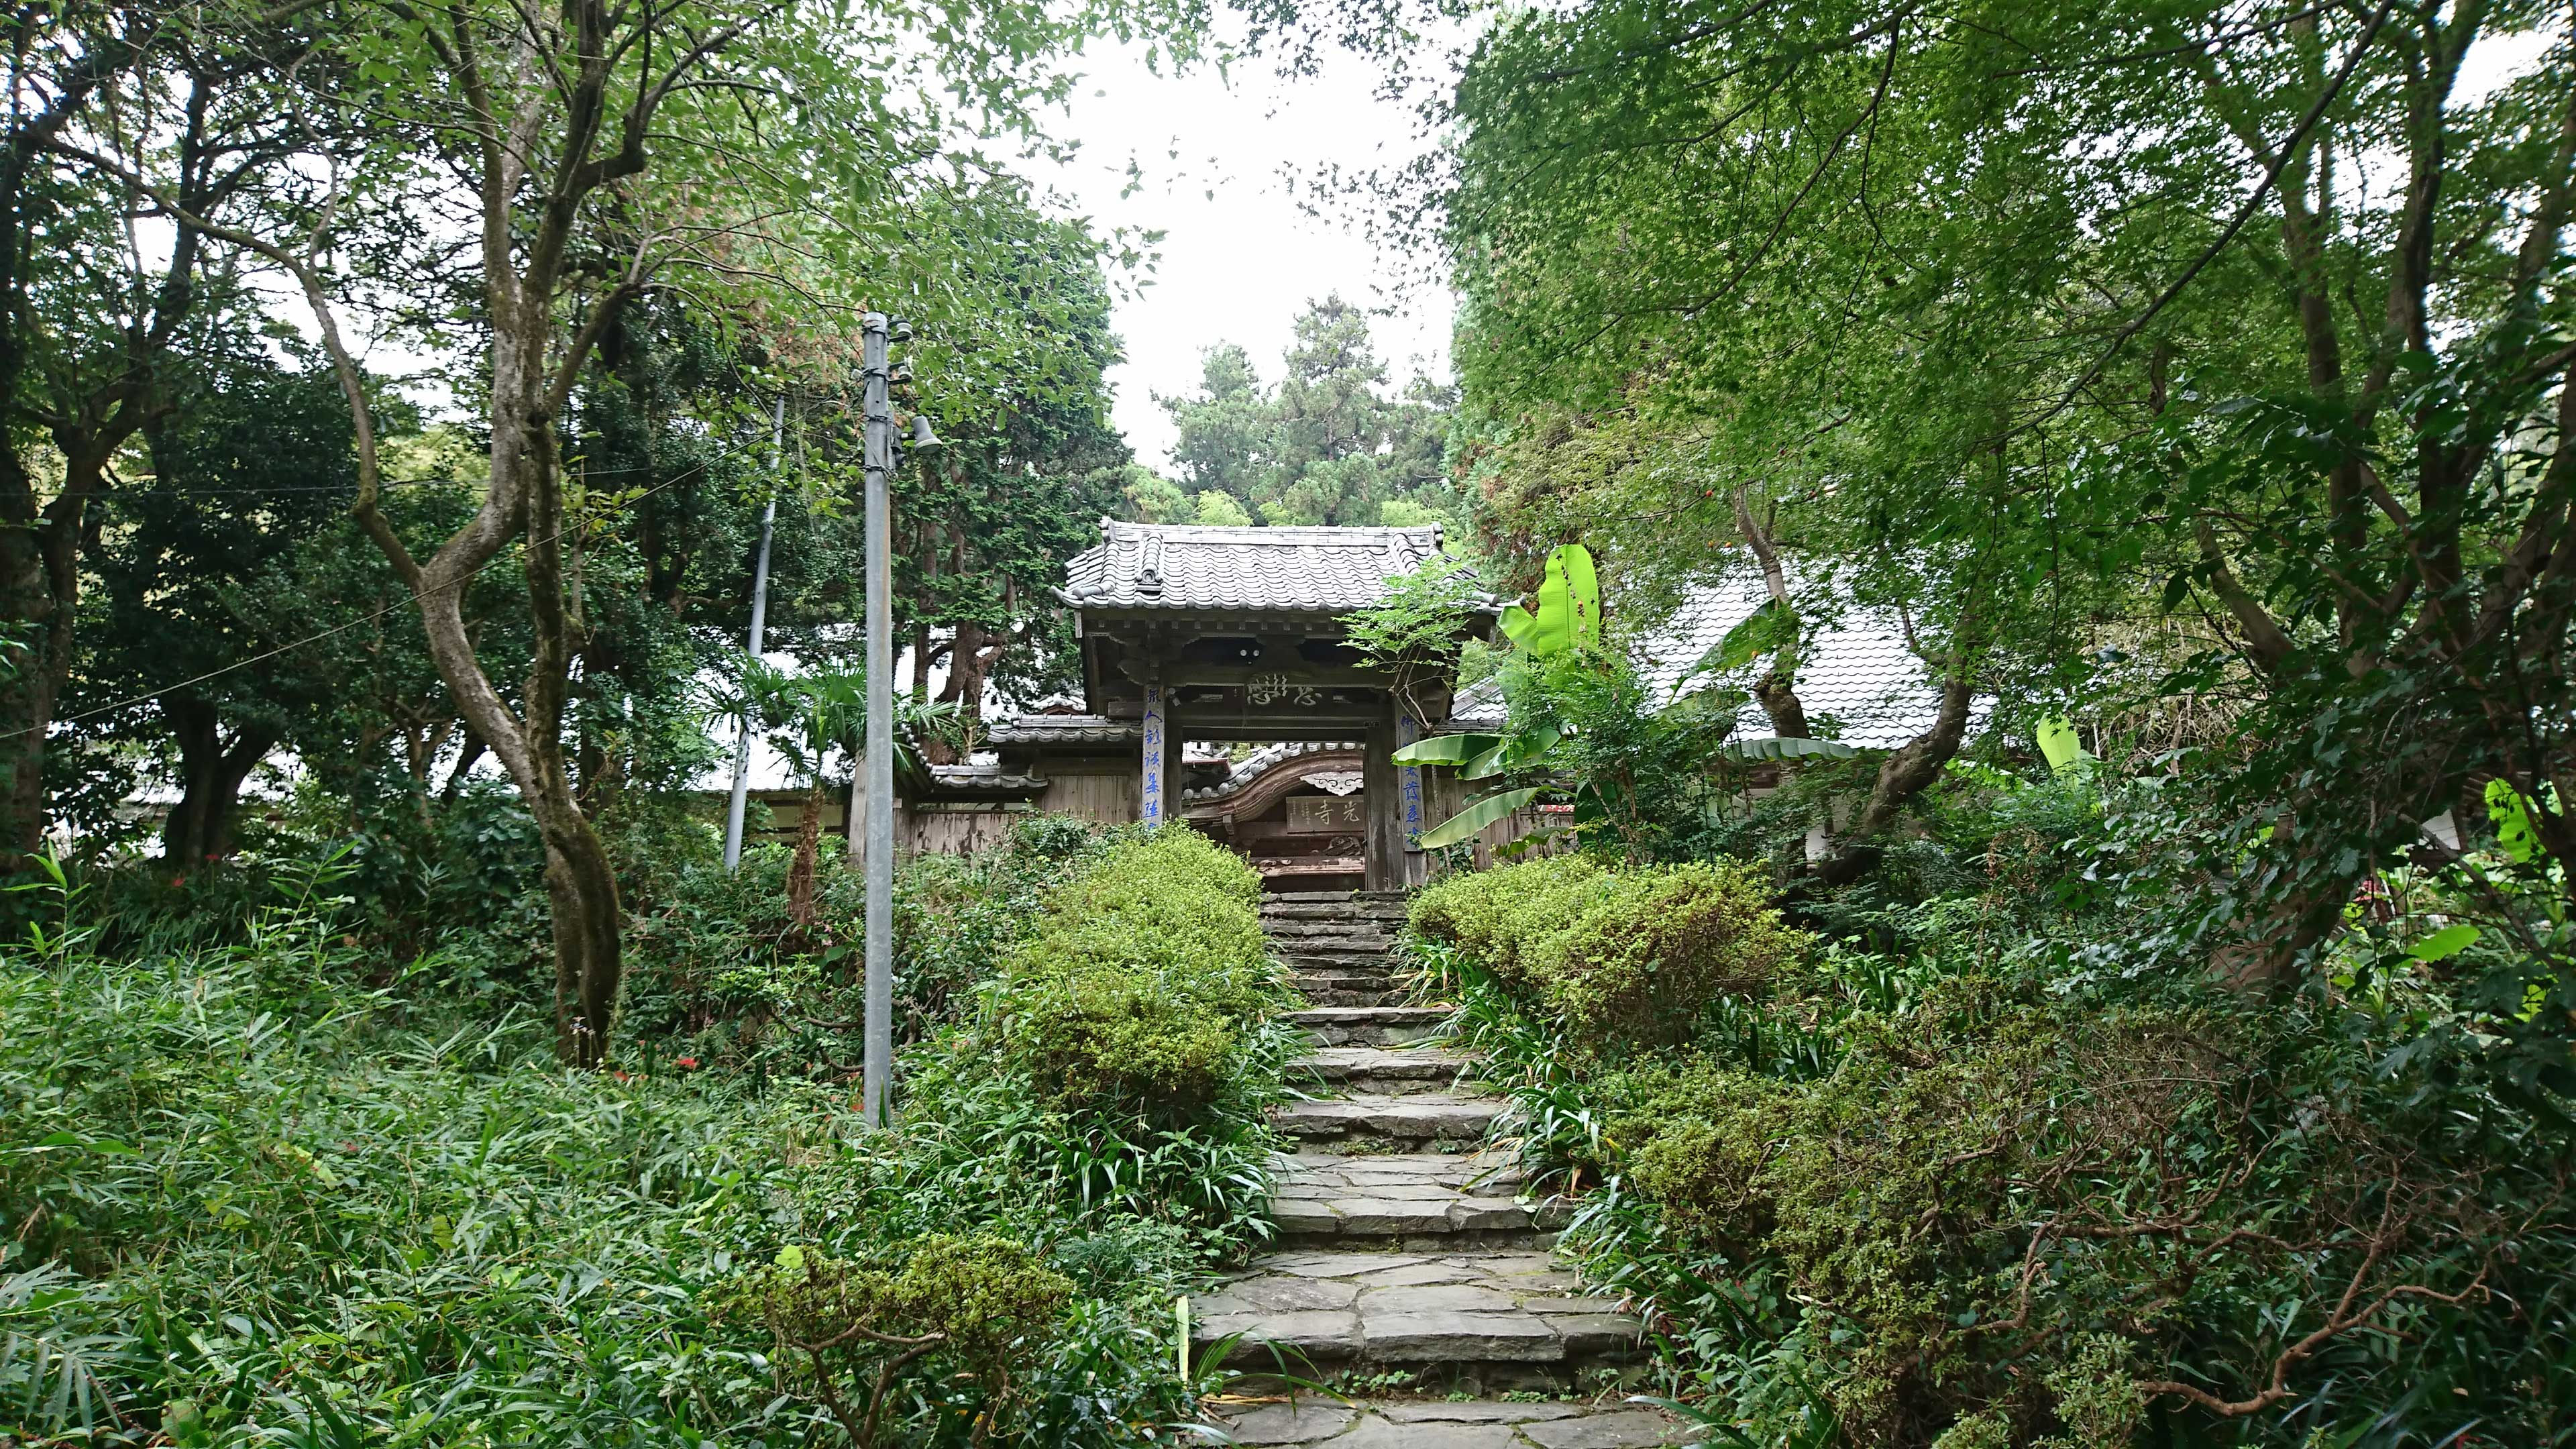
1239	265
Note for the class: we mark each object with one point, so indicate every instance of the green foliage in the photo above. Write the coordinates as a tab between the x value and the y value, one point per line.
724	972
2024	1179
249	1198
1417	631
1327	445
1145	977
1471	822
1619	956
984	1305
1568	612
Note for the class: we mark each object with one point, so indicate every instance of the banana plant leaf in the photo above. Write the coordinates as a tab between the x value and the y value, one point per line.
1513	752
1750	751
2058	743
1764	631
1569	606
1468	823
1447	749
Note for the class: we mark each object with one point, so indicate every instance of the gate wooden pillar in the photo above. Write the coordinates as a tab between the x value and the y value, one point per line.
1410	804
1160	797
1383	854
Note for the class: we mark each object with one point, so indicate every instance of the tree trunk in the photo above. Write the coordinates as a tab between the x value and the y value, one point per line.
1777	689
524	499
39	592
581	884
809	847
200	826
28	682
1905	772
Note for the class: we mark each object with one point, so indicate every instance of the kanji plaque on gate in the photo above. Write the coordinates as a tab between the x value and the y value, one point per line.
1326	814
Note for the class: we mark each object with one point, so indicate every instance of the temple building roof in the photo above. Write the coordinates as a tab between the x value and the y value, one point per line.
1260	762
1857	679
1192	567
1062	729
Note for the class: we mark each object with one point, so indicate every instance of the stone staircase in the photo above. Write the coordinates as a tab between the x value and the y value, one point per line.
1406	1255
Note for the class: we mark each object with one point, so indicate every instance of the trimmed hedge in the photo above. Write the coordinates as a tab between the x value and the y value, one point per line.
1141	981
1627	953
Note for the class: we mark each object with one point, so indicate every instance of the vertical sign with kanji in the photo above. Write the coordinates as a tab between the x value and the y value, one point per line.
1150	808
1408	781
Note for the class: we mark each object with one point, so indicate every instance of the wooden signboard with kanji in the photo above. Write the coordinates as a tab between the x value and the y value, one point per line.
1327	814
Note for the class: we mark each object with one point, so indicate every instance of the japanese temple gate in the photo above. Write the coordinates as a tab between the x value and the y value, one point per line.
1214	637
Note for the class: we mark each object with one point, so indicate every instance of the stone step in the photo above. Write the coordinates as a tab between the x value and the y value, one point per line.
1342	966
1337	964
1369	1025
1388	913
1350	995
1381	992
1371	1065
1375	963
1354	947
1375	950
1432	1202
1492	1317
1321	1421
1324	935
1345	977
1392	1071
1369	1119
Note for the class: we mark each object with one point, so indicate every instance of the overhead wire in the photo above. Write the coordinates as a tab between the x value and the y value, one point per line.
410	600
135	494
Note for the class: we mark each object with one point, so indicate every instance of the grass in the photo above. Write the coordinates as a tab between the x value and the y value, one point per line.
247	1201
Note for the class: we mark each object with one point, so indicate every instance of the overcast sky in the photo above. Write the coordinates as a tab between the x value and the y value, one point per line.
1240	260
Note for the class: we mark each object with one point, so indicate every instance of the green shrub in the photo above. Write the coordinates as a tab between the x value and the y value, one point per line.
985	1306
721	972
1143	978
1619	954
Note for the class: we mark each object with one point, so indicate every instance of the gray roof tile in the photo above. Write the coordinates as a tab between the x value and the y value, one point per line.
983	775
1856	675
1194	567
1062	729
1262	761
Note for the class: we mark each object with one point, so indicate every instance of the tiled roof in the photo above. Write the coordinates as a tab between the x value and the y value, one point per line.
1063	729
1479	706
1295	570
1262	761
1855	674
983	775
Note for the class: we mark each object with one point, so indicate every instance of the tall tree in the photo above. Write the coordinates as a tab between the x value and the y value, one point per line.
249	460
1018	489
1328	445
594	154
2297	367
129	126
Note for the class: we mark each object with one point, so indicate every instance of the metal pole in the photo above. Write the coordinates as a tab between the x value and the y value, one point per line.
877	1064
759	623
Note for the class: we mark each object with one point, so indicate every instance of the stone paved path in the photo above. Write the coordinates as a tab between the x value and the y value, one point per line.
1403	1248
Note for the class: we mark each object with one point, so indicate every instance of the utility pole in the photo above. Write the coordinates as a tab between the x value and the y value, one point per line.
877	1065
759	622
876	397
